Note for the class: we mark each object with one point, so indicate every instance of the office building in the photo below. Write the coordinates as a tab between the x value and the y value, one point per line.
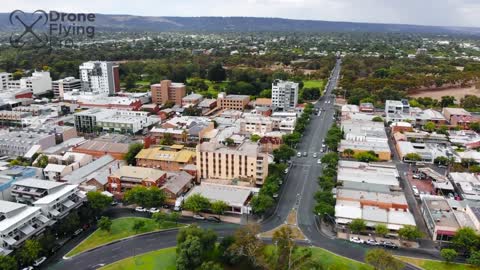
39	83
167	90
100	77
167	158
284	94
5	77
232	102
14	144
67	84
191	100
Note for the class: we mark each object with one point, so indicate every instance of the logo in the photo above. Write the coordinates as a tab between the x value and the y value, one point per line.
52	29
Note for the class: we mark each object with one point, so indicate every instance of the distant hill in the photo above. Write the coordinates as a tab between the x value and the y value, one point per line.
116	23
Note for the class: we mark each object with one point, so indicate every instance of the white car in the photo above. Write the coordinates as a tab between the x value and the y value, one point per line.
153	210
372	242
39	261
314	155
417	176
140	209
299	154
319	161
196	216
356	240
286	171
28	268
415	191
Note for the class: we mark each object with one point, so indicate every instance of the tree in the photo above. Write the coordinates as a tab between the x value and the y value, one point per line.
167	139
42	161
190	253
412	157
357	225
441	160
145	197
447	101
98	201
377	119
409	232
196	203
138	225
8	263
448	254
133	150
261	203
474	126
255	138
324	209
219	207
310	93
248	245
211	265
130	81
68	225
331	159
465	239
283	153
366	156
229	141
174	217
160	217
430	126
381	259
29	252
207	238
105	224
216	73
192	111
348	153
381	229
474	258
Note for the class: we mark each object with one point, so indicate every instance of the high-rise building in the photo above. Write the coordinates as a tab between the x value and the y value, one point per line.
167	90
5	77
100	77
67	84
284	94
39	83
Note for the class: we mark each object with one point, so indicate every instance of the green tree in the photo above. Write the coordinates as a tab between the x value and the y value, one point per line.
430	126
381	259
207	238
69	224
447	101
365	156
133	150
377	119
211	265
357	225
98	201
29	252
412	157
42	161
261	203
145	197
190	253
130	81
167	139
196	203
248	245
160	217
474	258
324	209
465	239
448	254
8	263
441	160
474	126
229	141
138	225
216	73
174	217
255	138
219	207
381	229
283	153
105	224
409	232
331	159
348	153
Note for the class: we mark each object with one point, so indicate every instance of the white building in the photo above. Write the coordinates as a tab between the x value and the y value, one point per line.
18	222
67	84
396	108
284	94
39	83
5	77
100	77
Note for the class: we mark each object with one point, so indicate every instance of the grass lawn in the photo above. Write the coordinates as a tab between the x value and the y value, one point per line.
313	83
121	228
333	261
436	265
163	259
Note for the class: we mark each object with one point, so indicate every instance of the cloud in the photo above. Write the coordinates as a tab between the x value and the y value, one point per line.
427	12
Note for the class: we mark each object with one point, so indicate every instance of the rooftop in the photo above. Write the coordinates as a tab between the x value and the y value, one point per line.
102	146
367	173
37	183
54	196
232	195
138	173
78	176
182	156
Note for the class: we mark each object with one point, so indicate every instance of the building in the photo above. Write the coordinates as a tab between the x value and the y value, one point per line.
56	199
458	117
284	95
185	129
468	185
10	175
14	118
243	164
375	174
61	165
465	138
98	148
396	108
167	90
67	84
19	222
166	158
128	177
232	102
430	115
367	107
207	105
100	77
192	100
86	121
440	218
5	77
15	143
39	83
176	185
130	122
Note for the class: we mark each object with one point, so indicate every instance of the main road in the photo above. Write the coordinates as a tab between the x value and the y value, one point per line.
297	193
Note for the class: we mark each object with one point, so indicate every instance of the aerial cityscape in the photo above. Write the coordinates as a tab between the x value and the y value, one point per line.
267	134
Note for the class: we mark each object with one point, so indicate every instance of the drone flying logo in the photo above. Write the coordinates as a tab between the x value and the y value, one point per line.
37	19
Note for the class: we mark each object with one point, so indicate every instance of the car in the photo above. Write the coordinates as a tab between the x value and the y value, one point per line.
286	171
356	240
280	182
140	209
28	268
198	216
319	161
323	146
314	155
114	203
305	154
153	210
451	196
299	154
214	219
388	244
275	195
77	232
39	261
371	242
417	176
415	191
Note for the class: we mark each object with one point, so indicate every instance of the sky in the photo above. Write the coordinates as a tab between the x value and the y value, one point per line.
423	12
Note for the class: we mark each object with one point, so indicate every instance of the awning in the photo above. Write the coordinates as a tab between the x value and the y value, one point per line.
27	229
394	227
68	203
443	232
43	218
54	212
9	240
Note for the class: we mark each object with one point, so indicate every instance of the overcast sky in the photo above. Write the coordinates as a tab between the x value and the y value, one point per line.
426	12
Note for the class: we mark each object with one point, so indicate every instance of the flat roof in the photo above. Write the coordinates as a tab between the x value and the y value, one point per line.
9	222
103	146
367	173
232	195
181	156
55	195
138	172
78	175
393	197
37	183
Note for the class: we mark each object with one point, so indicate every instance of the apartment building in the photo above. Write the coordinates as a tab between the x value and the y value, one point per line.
39	83
5	77
244	164
284	95
232	102
14	119
14	144
167	90
167	158
19	222
100	77
458	117
61	165
192	100
395	110
67	84
128	177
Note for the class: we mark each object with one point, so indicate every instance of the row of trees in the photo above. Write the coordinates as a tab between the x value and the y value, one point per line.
197	203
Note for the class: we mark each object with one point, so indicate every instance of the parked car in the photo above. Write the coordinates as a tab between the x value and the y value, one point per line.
314	155
213	219
319	161
356	240
417	176
275	195
415	191
28	268
197	216
388	244
299	154
371	242
305	154
286	171
114	203
77	232
140	209
153	210
39	261
451	196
